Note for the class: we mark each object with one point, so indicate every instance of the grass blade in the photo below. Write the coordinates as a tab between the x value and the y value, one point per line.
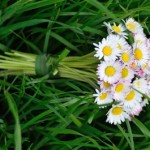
142	127
14	111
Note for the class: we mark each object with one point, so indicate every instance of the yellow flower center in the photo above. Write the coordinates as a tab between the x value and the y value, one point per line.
119	46
110	71
138	83
116	28
107	50
138	53
117	110
131	26
106	84
119	87
103	96
144	66
133	65
125	57
130	96
124	72
138	42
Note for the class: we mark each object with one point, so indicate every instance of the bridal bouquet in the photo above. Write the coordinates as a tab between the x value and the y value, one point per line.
123	71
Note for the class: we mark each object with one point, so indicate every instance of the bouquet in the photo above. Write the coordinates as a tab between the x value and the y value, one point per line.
122	64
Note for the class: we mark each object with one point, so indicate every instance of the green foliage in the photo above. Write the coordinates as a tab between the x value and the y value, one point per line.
53	113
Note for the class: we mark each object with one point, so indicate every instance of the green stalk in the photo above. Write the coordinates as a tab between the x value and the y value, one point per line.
81	68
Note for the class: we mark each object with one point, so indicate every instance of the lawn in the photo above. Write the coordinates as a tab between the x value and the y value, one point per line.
55	109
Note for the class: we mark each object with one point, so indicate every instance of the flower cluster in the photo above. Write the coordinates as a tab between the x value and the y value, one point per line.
124	71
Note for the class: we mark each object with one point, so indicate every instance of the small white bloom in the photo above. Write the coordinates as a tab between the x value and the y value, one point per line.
135	110
127	73
120	89
140	53
117	114
103	98
132	98
118	29
119	42
133	26
106	49
126	56
141	85
146	68
140	38
109	71
104	85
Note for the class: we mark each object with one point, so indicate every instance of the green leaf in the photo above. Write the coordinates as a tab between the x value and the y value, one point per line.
142	127
8	29
14	111
102	8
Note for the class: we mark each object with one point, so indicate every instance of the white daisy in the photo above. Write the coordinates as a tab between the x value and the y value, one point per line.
136	110
119	42
126	56
103	98
133	26
146	68
106	49
141	85
135	68
118	29
139	38
104	85
117	114
132	98
140	53
127	73
109	71
120	89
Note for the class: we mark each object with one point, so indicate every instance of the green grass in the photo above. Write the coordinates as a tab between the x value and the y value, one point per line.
58	113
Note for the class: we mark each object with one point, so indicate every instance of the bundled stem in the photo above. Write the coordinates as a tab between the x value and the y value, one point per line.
81	68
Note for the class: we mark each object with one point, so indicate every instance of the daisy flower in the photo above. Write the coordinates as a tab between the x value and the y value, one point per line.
139	38
117	114
127	73
104	85
132	98
119	42
146	68
119	90
109	71
135	67
133	26
141	85
106	49
103	98
126	56
118	29
140	53
136	110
